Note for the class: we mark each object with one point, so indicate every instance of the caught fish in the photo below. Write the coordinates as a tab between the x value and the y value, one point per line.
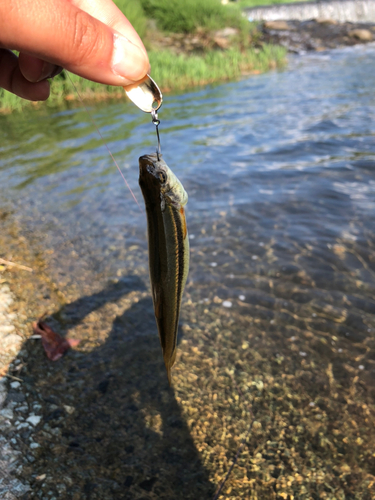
168	245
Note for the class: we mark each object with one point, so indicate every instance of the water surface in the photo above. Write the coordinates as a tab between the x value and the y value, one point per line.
280	172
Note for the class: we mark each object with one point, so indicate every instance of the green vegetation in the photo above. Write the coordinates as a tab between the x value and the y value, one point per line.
172	70
136	15
186	71
186	16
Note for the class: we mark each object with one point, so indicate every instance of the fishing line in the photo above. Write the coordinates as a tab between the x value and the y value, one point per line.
241	446
105	144
156	122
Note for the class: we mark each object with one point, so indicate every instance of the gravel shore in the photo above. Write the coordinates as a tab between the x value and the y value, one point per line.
10	487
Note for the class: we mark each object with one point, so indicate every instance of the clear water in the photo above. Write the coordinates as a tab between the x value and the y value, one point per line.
280	171
280	174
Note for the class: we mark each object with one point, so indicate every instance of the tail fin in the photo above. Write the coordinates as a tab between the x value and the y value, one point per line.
168	365
169	373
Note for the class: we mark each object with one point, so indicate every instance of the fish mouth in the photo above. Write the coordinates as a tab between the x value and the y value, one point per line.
150	164
149	159
148	177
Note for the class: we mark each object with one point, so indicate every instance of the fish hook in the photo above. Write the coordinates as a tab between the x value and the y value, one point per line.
156	122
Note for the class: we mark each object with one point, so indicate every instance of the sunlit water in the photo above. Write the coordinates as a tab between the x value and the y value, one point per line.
280	171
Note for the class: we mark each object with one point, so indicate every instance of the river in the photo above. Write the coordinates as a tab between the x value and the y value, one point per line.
280	172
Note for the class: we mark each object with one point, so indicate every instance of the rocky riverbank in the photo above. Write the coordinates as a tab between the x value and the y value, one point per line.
316	34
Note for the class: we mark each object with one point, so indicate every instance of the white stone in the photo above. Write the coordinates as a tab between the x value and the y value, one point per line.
15	385
5	329
7	413
23	425
11	340
69	409
227	303
34	419
23	408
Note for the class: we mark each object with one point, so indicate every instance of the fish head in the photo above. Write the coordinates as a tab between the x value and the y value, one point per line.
156	177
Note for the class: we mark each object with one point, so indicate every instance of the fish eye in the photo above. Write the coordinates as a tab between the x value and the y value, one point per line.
162	177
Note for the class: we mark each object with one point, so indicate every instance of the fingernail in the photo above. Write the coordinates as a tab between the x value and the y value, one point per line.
128	60
46	70
56	71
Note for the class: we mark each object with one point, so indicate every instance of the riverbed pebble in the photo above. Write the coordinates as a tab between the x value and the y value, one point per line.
7	413
3	393
34	419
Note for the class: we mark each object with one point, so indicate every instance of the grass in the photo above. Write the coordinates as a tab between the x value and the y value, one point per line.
135	13
176	16
185	17
180	72
172	72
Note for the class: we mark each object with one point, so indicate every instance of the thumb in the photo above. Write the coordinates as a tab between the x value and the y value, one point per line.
61	33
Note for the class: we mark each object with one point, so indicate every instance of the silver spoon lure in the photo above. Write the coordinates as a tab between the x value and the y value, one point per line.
147	96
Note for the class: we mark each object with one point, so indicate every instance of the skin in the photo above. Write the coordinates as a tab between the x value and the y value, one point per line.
79	35
168	242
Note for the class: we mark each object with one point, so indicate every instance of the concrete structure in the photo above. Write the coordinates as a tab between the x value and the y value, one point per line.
355	11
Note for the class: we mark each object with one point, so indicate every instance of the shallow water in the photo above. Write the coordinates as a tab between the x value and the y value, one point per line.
280	173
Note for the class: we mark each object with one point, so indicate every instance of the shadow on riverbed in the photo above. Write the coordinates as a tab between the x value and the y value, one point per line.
112	427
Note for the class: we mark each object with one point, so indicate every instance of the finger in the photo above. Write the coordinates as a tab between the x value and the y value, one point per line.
60	33
11	79
108	13
35	70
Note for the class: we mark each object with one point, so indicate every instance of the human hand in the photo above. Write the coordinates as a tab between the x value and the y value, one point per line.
91	38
